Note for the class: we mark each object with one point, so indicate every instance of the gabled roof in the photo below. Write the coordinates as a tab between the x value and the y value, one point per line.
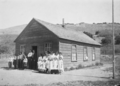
64	33
68	34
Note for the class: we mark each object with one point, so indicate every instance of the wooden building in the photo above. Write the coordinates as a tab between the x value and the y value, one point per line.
76	47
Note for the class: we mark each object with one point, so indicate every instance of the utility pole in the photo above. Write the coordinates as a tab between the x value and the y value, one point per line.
113	39
63	23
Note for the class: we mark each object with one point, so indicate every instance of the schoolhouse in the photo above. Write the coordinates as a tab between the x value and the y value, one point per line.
76	47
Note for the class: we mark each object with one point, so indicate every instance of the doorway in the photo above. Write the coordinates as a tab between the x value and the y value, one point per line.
35	58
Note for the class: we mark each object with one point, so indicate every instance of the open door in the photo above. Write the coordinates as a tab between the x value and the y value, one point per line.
35	57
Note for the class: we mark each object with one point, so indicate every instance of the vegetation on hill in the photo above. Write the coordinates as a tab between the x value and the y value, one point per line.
103	30
7	45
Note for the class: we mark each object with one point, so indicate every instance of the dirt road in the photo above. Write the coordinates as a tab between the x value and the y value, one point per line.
23	77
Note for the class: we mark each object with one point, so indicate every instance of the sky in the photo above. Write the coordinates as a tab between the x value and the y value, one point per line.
18	12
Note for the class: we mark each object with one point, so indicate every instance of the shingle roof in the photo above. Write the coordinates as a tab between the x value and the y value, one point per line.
63	33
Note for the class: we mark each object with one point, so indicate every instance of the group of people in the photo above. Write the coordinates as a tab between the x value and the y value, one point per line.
20	61
25	61
48	62
51	62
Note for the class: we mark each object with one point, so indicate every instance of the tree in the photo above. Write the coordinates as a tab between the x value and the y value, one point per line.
117	39
3	49
97	32
89	34
106	40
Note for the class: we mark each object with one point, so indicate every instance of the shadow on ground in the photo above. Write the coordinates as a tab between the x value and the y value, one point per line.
7	68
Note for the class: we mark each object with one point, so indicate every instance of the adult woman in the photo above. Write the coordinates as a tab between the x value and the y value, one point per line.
30	56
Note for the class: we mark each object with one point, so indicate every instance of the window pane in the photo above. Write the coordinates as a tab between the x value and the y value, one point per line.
93	54
74	53
47	46
85	54
22	48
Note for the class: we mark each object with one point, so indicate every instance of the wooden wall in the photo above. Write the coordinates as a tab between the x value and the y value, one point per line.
40	46
36	34
65	48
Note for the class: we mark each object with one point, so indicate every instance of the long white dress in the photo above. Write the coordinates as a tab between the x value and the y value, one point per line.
39	63
44	63
60	64
51	62
55	62
47	63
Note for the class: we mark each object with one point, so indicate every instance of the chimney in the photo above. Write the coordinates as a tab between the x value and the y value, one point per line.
63	25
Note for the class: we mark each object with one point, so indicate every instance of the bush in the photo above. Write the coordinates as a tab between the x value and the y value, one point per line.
89	34
72	68
66	69
106	41
3	49
79	66
98	63
117	39
97	32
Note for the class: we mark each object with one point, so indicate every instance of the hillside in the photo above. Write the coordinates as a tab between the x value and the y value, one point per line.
8	35
92	28
12	30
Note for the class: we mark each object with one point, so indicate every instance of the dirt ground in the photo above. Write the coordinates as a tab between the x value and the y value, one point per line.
81	77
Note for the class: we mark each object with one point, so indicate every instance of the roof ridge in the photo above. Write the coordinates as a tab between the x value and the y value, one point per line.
60	26
68	33
43	21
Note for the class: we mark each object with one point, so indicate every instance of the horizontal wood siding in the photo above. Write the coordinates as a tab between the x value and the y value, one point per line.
17	49
80	53
33	32
66	51
65	48
36	34
98	54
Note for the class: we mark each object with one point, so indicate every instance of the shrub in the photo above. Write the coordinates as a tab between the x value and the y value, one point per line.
117	39
97	32
89	34
72	68
98	64
106	40
79	66
66	69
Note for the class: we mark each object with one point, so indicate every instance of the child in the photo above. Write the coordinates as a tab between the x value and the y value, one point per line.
55	63
10	62
51	61
44	63
25	62
60	63
40	62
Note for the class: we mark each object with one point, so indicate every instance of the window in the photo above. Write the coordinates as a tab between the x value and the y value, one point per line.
22	48
93	54
47	46
74	53
85	51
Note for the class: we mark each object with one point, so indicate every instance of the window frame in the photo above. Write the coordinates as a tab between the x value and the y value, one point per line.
22	46
93	52
84	58
72	60
49	46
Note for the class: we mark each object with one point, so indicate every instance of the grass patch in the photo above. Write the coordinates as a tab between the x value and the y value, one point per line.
86	83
